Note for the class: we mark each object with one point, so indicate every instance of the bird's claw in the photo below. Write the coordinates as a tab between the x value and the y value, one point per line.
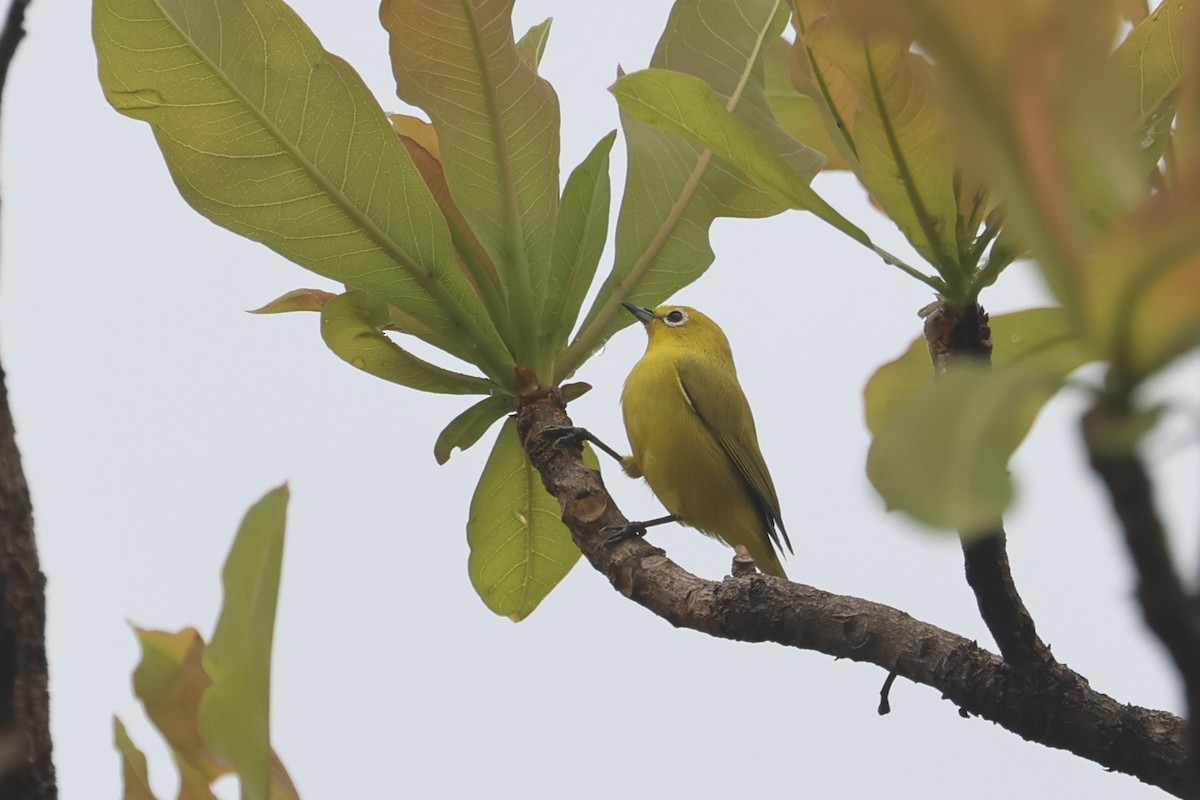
621	533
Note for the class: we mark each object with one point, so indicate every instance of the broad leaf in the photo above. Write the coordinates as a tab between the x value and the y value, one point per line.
497	125
353	326
1039	339
271	136
520	548
235	712
673	188
1142	290
467	428
895	118
578	242
943	459
686	106
941	449
1150	64
1035	115
135	776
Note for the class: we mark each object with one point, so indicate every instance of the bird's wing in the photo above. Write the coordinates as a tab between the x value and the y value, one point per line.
721	405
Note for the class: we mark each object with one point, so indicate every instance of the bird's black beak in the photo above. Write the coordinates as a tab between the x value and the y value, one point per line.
643	314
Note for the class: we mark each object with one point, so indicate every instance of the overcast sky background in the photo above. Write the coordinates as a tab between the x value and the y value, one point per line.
151	411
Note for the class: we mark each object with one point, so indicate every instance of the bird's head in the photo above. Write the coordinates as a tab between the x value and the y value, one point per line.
680	326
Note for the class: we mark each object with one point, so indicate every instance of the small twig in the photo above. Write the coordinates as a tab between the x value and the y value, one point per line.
11	36
885	706
954	336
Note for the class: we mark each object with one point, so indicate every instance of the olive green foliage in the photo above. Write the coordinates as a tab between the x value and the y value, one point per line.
1060	148
454	231
1063	149
986	132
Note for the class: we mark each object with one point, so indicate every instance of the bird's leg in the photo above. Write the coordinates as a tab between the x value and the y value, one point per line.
579	436
620	533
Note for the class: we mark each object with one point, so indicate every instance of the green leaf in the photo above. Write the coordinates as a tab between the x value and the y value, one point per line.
1030	101
578	242
466	429
943	459
941	449
1150	63
1040	339
231	91
673	189
895	114
497	125
520	548
135	775
686	106
533	43
353	326
235	712
1141	291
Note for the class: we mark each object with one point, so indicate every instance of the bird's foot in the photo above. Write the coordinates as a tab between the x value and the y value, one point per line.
621	533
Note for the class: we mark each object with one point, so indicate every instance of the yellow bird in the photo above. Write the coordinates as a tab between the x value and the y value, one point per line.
693	435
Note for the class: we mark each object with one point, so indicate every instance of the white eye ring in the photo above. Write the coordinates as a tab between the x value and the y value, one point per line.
675	317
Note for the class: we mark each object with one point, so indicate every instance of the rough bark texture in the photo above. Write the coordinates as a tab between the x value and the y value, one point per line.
1053	706
26	768
953	336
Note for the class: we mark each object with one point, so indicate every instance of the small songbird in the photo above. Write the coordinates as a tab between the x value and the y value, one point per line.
693	435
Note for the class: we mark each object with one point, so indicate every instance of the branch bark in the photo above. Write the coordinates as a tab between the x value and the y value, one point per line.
26	768
1169	610
1053	706
953	336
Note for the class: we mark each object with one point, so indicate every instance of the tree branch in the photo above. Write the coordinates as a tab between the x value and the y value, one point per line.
26	768
1054	706
1167	607
953	336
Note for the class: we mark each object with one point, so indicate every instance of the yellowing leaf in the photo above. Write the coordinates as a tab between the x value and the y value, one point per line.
898	132
1142	289
297	300
1030	105
798	113
520	548
170	681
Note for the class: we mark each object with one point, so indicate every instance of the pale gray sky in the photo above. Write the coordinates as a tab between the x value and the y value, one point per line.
152	410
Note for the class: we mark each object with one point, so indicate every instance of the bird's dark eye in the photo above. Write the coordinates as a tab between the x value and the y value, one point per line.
675	317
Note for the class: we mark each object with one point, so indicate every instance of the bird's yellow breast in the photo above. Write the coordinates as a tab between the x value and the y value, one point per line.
679	457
